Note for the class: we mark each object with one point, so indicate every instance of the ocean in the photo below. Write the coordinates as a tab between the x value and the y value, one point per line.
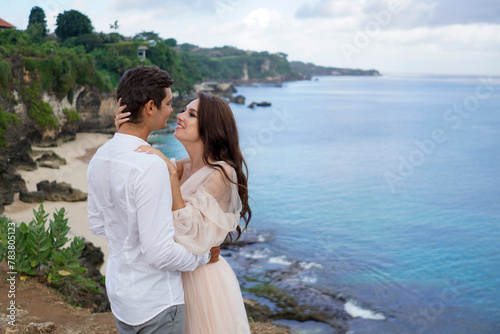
384	191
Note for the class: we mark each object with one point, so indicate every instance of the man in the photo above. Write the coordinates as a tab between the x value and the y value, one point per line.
130	204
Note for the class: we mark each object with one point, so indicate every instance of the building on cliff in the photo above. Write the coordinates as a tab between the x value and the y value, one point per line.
5	25
141	52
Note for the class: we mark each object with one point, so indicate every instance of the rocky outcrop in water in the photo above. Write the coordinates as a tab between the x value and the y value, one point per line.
18	154
50	160
53	191
259	104
256	311
10	183
62	191
278	286
32	197
238	99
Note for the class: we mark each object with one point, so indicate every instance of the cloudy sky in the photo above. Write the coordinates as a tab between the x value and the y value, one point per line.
393	36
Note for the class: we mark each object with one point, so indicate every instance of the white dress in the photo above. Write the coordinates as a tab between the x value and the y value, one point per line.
213	300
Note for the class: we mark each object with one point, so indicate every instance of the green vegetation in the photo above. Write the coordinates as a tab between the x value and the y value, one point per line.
38	110
37	24
72	115
56	67
43	252
5	79
228	63
79	56
44	66
274	294
6	119
113	59
171	42
64	70
287	307
310	69
41	112
148	36
72	23
33	62
164	56
39	249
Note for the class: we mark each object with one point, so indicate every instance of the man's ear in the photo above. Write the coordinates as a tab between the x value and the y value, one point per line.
149	108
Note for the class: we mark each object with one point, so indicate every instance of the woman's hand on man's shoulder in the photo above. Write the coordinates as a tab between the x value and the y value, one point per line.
180	166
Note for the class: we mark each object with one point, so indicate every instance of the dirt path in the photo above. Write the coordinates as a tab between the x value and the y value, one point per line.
37	303
40	305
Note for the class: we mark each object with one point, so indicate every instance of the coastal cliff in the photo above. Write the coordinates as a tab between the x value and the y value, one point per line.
307	70
52	88
45	102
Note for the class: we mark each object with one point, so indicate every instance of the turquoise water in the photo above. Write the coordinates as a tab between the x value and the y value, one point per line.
389	187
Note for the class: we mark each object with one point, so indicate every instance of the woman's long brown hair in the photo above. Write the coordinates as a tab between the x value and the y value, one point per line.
219	134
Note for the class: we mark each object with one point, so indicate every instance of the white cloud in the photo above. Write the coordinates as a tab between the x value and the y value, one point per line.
413	36
417	13
167	7
329	8
259	19
454	37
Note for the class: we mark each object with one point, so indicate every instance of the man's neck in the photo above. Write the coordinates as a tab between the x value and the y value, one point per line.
129	129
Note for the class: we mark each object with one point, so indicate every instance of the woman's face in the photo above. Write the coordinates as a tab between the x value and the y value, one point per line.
187	123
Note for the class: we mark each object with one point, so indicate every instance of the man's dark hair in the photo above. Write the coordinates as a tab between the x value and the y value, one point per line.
141	84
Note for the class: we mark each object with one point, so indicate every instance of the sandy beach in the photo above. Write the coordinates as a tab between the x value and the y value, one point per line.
77	154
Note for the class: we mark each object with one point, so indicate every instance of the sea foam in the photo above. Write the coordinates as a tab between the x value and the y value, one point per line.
280	260
357	312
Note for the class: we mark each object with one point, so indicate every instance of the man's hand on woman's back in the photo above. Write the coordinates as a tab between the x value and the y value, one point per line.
215	252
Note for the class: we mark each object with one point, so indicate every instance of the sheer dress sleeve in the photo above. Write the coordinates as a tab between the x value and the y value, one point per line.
211	212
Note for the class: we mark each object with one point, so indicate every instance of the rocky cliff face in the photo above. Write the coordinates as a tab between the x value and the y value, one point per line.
90	110
97	109
93	112
10	183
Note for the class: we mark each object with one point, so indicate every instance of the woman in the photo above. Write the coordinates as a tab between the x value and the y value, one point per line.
210	195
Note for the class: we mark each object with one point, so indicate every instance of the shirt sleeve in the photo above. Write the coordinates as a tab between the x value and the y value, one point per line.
94	213
156	230
209	214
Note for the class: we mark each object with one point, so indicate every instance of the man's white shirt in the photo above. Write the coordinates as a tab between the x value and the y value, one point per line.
130	204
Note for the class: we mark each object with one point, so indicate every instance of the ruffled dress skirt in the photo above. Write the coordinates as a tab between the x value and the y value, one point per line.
213	300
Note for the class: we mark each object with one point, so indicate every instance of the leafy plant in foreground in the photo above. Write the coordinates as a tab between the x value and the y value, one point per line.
43	252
